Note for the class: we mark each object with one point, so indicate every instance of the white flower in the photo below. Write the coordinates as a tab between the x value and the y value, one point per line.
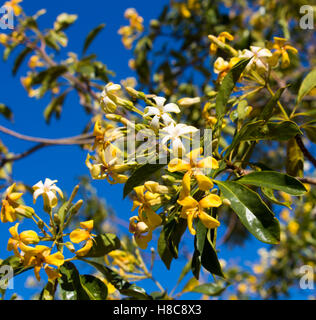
174	132
108	99
48	191
257	54
161	111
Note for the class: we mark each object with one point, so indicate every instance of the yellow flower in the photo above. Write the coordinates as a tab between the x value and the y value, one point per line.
192	209
145	200
13	4
142	232
293	227
193	167
222	67
83	234
281	49
222	37
19	240
11	206
35	62
242	288
285	215
258	269
3	38
40	257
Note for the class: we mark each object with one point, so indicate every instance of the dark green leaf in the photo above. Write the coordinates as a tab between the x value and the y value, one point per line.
103	244
210	289
20	58
55	106
92	34
48	292
252	211
6	111
294	159
94	287
269	194
307	85
139	176
274	180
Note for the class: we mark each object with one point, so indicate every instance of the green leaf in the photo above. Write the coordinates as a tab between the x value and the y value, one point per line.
307	85
226	89
92	34
48	292
269	194
55	106
311	132
267	111
6	111
16	264
123	286
294	159
169	239
70	284
103	244
94	287
140	176
252	211
210	289
20	58
274	180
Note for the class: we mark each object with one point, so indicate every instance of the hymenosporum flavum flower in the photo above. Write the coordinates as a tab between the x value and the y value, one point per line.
188	102
48	190
40	257
141	231
222	37
35	62
11	206
194	168
108	97
4	38
145	200
14	5
104	166
192	209
259	56
160	112
83	234
174	133
281	51
222	67
18	241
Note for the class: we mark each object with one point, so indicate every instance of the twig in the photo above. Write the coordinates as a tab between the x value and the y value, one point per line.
306	153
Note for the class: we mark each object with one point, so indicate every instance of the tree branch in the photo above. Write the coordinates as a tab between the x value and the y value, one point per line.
306	153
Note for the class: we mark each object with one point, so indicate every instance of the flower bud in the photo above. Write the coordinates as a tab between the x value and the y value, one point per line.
187	102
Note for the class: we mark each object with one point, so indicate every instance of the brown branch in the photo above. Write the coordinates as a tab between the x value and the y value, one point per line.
80	139
306	153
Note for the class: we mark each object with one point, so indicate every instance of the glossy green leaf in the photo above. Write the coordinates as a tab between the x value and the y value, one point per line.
307	85
48	292
123	286
103	244
226	89
94	287
91	36
274	180
210	289
269	194
169	239
294	159
252	211
139	176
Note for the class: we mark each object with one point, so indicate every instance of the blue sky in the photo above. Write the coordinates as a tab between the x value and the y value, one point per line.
66	163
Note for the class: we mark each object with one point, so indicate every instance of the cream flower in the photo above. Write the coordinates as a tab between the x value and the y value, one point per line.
48	190
174	133
258	55
108	98
161	112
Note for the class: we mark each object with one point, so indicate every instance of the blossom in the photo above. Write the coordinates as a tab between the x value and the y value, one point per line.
35	62
11	206
174	133
142	232
258	55
192	209
145	200
40	257
83	234
4	38
20	240
193	167
222	37
281	50
161	112
14	5
108	97
48	191
222	67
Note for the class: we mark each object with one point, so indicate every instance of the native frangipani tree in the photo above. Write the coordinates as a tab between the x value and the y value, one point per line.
213	133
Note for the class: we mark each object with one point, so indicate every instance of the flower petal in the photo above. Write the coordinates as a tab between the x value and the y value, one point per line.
208	221
56	259
204	182
171	107
210	201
